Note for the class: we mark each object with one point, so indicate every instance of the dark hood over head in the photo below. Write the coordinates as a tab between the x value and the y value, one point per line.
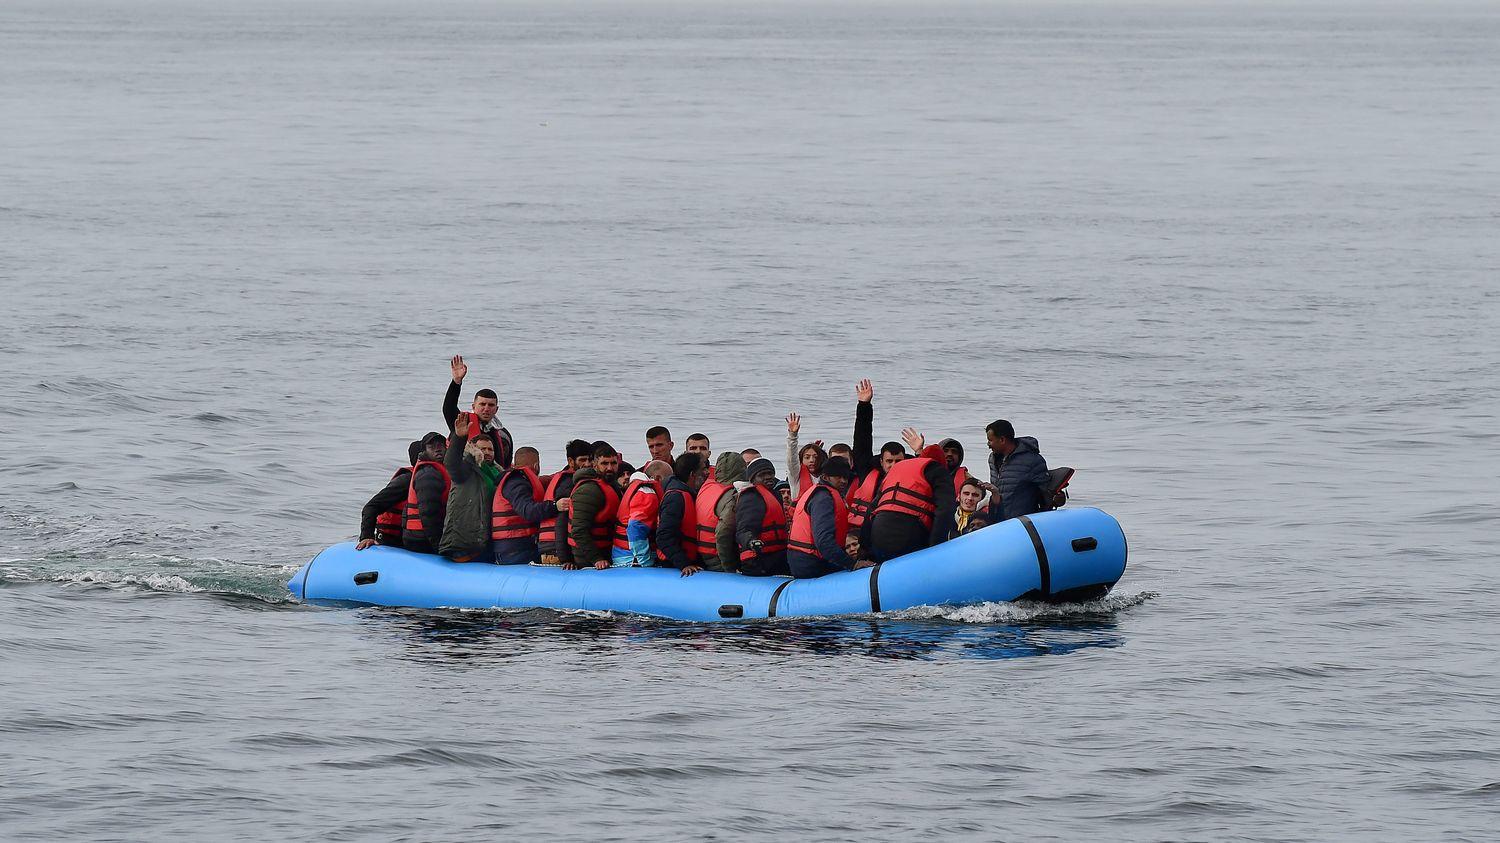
953	443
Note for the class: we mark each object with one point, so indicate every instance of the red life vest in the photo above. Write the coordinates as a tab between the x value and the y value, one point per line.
804	479
505	522
801	537
388	523
476	430
412	529
622	515
547	530
959	477
905	490
862	497
689	527
604	521
706	520
772	527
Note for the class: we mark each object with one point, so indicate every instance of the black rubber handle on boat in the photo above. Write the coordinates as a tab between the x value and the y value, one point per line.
1041	555
875	588
771	610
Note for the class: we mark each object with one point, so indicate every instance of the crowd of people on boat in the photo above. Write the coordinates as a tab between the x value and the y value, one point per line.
472	496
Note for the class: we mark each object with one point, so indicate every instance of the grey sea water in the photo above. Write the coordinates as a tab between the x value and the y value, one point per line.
1236	265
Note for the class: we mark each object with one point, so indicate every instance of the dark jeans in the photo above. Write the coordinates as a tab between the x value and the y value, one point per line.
893	534
805	566
510	554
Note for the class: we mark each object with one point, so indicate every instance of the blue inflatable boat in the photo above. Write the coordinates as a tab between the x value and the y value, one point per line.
1063	555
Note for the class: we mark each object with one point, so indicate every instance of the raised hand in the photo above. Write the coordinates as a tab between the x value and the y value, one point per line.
864	391
914	439
461	425
793	423
460	369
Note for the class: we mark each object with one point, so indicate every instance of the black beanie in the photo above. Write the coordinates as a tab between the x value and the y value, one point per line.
758	465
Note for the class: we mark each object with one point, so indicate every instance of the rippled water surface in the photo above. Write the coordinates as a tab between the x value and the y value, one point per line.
1239	268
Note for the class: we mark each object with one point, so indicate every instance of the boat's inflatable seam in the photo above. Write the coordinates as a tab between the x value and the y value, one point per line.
1041	555
306	572
875	588
775	595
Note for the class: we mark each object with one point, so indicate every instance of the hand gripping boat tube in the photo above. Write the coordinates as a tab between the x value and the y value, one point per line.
1063	555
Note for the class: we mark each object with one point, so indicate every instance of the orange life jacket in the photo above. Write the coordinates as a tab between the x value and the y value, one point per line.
547	531
604	521
959	477
801	537
412	529
804	479
706	520
905	490
862	497
476	430
772	528
622	515
688	528
505	522
388	523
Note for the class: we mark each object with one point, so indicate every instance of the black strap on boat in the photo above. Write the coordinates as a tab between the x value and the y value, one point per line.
771	610
875	588
1041	555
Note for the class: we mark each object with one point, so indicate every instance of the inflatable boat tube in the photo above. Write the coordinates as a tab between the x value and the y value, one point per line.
1063	555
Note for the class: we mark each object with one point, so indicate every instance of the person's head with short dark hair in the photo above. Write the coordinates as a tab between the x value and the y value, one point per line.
622	477
750	455
606	461
838	474
580	454
842	449
977	521
659	443
481	448
970	494
434	447
812	457
1001	437
890	454
528	457
691	469
697	443
486	404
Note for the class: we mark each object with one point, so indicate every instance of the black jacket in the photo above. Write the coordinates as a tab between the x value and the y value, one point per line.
505	446
676	499
393	495
1020	478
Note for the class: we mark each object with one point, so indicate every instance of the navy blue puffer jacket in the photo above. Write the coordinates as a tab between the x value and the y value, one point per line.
1020	478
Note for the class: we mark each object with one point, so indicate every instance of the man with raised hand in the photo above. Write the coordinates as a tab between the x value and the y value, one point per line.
482	412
